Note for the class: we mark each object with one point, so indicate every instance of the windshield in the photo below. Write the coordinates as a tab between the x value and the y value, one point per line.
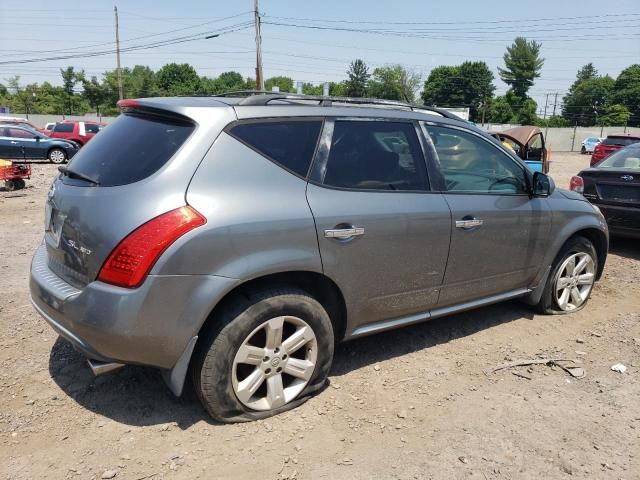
625	158
620	141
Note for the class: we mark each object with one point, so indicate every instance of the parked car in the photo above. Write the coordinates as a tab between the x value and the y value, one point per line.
48	128
17	121
613	184
588	144
23	143
611	144
237	239
528	143
78	132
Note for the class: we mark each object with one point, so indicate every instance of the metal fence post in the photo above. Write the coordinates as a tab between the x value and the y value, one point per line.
573	140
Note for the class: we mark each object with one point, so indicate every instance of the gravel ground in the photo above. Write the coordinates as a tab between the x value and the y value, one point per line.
410	404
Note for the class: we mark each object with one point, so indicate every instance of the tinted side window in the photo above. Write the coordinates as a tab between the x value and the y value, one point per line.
19	133
289	143
132	148
471	164
92	128
63	127
375	155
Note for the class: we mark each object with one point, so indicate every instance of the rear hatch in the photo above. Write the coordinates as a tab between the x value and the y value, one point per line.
615	187
111	187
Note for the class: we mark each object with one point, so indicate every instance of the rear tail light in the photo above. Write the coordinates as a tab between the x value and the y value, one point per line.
576	184
133	258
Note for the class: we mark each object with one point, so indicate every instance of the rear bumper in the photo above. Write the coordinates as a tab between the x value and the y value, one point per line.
622	220
151	325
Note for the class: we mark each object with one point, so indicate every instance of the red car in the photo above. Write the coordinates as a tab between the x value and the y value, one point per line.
75	131
611	144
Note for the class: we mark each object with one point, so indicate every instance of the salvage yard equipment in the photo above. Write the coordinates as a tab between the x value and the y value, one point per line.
14	174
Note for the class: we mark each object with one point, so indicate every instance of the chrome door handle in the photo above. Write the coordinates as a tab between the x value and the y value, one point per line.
344	233
13	143
468	223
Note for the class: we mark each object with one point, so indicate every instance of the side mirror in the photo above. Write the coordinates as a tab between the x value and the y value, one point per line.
543	185
38	139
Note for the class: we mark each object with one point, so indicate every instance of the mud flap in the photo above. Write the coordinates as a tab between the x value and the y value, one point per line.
175	377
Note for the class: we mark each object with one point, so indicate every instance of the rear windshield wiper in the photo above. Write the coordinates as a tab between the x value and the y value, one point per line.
70	173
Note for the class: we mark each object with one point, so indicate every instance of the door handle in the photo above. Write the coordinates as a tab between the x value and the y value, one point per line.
344	233
13	143
468	223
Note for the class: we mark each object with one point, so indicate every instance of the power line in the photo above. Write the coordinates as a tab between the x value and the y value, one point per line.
189	38
469	22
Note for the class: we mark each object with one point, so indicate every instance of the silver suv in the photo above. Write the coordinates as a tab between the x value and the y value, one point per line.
237	239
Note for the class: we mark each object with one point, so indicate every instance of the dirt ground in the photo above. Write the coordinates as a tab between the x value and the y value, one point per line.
410	404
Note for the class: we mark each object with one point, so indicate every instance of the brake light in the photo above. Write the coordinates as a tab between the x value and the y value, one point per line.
576	184
133	258
127	103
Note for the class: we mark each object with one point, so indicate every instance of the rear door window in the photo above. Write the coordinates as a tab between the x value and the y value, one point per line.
131	149
92	128
63	128
375	155
289	143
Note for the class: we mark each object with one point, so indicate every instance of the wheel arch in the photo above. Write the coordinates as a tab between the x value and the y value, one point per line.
55	147
600	242
318	285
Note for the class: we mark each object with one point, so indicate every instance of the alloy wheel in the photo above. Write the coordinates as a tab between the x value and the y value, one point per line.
57	156
274	363
574	281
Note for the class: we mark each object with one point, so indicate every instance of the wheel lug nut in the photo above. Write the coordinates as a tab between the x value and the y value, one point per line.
284	356
265	359
267	371
279	369
276	350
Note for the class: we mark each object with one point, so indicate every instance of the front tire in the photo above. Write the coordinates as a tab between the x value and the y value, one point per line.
57	156
263	355
571	279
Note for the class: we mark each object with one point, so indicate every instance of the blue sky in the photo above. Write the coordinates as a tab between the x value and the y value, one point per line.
450	32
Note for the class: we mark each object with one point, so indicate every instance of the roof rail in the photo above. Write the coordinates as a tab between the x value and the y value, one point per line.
260	97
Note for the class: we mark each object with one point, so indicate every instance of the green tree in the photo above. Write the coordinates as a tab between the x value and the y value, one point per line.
394	83
526	114
95	93
178	79
358	73
285	84
587	98
626	91
311	89
466	85
614	115
225	82
522	65
500	111
69	80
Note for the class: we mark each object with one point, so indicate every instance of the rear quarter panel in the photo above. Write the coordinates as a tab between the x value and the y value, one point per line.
258	218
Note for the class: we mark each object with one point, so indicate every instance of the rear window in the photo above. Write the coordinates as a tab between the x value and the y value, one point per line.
63	127
131	149
288	143
620	141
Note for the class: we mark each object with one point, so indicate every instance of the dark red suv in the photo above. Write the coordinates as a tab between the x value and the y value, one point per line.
611	144
75	131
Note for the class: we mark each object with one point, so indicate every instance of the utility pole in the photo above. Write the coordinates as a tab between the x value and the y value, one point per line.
120	93
544	117
555	102
259	77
